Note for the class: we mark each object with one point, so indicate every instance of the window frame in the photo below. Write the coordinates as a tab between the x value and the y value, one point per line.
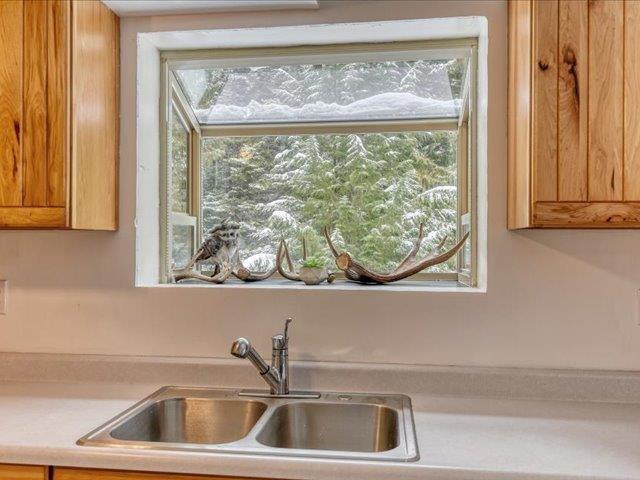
175	101
464	124
467	176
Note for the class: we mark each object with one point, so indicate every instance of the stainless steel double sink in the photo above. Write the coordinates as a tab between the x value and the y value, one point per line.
335	425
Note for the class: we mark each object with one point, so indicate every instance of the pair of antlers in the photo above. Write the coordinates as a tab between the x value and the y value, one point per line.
233	267
352	269
357	272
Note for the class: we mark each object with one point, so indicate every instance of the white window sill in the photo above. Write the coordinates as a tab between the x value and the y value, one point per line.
433	286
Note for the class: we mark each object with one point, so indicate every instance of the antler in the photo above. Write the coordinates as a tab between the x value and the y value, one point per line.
243	273
283	251
233	267
349	273
189	273
414	251
357	272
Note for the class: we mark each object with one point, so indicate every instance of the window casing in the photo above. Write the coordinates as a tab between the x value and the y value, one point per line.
175	102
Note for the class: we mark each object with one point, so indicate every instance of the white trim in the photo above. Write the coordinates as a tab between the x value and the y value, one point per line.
323	34
342	286
148	127
328	127
184	60
482	166
147	220
133	8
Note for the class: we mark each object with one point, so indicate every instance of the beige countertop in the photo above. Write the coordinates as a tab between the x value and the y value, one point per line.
463	432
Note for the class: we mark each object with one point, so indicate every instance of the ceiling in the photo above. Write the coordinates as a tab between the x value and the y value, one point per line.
130	8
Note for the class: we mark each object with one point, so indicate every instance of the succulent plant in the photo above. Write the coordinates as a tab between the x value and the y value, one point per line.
312	262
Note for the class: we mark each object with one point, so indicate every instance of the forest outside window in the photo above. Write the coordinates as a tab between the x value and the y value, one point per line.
372	145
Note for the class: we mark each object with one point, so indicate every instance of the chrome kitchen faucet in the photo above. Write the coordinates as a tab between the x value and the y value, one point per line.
277	374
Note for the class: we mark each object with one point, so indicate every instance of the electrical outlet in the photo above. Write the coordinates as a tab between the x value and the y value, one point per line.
4	286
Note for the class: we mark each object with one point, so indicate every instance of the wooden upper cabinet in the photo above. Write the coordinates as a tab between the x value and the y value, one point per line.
574	113
58	114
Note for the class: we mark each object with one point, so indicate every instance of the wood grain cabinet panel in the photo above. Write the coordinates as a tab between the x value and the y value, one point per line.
11	35
574	126
27	472
573	37
58	114
631	153
545	98
34	104
23	472
606	58
90	474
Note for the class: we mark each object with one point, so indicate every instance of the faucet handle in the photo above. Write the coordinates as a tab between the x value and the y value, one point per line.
281	340
286	330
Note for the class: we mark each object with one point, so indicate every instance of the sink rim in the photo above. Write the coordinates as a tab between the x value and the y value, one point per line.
406	451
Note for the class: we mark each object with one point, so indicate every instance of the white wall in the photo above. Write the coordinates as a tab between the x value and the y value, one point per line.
555	298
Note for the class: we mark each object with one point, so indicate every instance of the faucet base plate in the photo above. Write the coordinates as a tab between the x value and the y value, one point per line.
267	394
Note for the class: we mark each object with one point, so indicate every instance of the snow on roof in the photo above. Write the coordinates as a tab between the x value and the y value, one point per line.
391	105
380	90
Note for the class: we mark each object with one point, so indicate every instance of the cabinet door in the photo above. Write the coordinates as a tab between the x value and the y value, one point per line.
58	124
95	120
583	164
33	112
22	472
574	139
89	474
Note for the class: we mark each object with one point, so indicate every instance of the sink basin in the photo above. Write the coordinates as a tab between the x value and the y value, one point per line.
333	425
330	426
192	420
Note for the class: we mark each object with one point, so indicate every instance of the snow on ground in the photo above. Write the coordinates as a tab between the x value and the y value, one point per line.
259	262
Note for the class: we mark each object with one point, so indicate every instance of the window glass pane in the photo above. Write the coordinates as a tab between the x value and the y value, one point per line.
373	190
182	246
178	154
409	89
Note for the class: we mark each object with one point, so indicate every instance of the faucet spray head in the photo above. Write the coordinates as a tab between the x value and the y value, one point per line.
241	348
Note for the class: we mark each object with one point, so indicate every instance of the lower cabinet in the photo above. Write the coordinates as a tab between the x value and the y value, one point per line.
23	472
27	472
91	474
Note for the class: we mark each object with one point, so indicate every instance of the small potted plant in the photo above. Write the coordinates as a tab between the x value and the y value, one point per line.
313	271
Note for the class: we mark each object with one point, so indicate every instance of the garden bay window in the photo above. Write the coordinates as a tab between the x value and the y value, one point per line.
372	142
